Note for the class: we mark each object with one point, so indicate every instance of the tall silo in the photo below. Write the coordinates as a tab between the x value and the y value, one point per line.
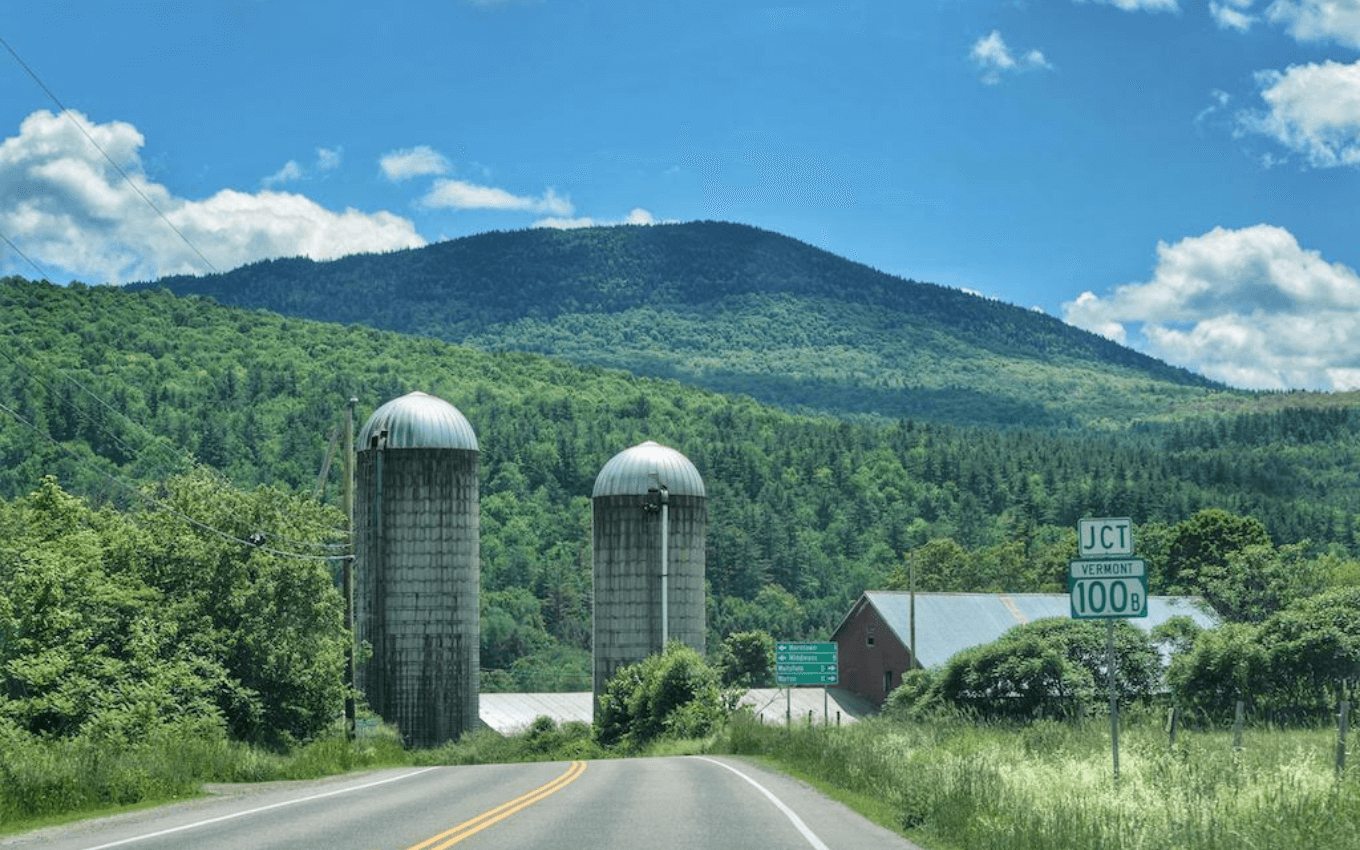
649	520
417	571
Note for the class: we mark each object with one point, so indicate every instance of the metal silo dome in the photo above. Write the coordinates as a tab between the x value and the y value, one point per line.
644	467
418	421
417	568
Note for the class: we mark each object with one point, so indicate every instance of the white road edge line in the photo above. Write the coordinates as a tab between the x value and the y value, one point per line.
197	824
788	813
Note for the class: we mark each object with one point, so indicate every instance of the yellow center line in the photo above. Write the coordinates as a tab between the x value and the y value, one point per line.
471	827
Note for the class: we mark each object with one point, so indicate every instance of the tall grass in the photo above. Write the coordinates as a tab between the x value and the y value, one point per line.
1051	785
47	780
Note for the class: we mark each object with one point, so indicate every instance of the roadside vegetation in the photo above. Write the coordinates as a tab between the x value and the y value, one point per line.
953	783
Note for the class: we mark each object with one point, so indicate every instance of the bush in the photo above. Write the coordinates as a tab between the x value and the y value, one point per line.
674	694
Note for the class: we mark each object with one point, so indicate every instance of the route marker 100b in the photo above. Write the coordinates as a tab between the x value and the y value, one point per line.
1095	598
1107	589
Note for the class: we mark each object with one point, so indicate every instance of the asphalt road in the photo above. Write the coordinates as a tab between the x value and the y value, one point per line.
683	803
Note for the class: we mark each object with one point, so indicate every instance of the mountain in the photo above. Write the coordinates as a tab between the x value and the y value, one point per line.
108	389
734	309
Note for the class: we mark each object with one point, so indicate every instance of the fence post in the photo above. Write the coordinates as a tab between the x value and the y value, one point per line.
1342	725
838	718
1237	725
1172	718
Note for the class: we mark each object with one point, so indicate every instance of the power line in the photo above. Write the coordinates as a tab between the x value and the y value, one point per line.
15	248
116	167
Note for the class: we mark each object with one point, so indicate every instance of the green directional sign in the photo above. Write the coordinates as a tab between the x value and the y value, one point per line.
806	663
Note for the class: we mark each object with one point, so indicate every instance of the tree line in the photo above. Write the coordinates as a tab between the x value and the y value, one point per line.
805	512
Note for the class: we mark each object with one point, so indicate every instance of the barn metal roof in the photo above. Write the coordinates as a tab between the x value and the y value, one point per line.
632	472
948	623
513	713
418	421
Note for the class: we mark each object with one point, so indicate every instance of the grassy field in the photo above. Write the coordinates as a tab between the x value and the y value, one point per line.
946	785
952	785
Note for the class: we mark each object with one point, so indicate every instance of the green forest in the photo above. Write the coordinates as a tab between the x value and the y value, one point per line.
735	309
161	453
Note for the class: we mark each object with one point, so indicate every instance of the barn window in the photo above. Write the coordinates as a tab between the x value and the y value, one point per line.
869	636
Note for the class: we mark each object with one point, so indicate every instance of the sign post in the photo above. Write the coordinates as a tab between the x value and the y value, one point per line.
805	664
1107	583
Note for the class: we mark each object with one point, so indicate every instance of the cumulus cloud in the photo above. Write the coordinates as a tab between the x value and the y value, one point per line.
636	216
1319	20
1249	307
418	161
1313	110
462	195
66	206
993	58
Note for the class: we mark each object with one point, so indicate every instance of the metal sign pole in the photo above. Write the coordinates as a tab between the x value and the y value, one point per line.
1114	700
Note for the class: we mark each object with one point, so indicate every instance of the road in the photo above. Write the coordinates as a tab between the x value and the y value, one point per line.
682	803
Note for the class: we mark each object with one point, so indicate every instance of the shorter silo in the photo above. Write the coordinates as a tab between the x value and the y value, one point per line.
649	525
417	571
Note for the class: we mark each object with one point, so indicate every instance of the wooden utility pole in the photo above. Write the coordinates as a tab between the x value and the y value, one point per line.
348	507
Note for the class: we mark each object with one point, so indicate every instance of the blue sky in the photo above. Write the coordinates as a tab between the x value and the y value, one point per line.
1180	175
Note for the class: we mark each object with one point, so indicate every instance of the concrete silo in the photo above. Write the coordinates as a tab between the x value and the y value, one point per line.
417	571
649	521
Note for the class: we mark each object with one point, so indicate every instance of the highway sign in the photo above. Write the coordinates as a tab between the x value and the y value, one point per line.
1104	537
1108	588
806	663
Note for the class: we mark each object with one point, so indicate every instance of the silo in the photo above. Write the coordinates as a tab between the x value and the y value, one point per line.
416	567
649	521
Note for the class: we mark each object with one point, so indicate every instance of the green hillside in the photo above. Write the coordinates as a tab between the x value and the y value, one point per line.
104	387
735	309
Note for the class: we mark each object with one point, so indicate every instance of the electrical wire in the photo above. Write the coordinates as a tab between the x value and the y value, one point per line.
116	167
70	116
15	248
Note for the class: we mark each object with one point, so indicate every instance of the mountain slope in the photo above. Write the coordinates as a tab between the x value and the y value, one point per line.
731	308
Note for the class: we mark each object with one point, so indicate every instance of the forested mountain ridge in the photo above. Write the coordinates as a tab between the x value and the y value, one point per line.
103	388
732	308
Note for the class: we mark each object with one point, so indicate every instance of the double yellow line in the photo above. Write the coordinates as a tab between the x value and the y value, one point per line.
469	828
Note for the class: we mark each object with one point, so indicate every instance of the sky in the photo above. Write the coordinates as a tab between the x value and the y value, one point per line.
1182	176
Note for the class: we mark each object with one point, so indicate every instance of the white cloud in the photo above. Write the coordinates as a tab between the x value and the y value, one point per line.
991	55
1138	5
1232	14
1249	307
1313	110
1319	20
459	194
414	162
636	216
329	159
67	208
290	172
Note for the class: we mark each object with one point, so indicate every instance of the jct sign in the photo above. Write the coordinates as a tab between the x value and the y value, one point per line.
1104	537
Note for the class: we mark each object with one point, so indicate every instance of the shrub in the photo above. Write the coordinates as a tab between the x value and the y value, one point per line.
673	694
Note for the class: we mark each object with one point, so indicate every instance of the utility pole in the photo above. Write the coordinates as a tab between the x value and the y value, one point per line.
348	507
